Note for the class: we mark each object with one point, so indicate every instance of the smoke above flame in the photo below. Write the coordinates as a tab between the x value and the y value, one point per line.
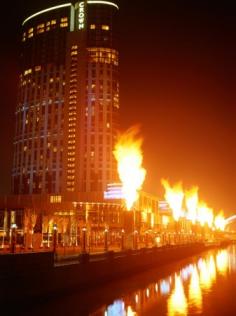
174	196
129	156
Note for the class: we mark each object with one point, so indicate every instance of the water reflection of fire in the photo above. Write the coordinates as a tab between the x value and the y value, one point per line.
183	291
177	302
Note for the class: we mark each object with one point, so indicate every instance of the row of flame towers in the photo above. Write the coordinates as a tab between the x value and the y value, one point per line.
67	115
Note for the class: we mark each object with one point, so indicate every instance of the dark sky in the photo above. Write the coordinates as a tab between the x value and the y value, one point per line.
177	76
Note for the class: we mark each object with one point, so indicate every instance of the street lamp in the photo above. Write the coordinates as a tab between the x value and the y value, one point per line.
54	237
84	230
106	239
122	239
13	237
135	240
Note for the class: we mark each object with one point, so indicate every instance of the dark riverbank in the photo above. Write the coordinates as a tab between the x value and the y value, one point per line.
32	276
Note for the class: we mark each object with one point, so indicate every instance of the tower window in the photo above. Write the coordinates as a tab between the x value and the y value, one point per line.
105	27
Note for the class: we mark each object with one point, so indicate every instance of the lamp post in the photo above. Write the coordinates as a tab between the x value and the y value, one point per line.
106	239
13	238
54	237
146	239
122	239
84	232
135	240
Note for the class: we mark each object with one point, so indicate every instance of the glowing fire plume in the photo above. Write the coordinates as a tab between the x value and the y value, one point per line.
191	201
205	214
220	221
174	196
129	157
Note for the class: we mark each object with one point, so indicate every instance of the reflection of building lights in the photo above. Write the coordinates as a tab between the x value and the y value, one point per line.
164	287
156	287
117	308
147	292
199	264
186	272
136	298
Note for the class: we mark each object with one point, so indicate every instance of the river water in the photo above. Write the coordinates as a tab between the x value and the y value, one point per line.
201	285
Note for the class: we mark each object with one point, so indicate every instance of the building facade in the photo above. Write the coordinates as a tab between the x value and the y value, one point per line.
68	103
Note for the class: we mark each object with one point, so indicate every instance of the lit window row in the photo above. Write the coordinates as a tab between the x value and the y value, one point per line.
71	136
64	22
72	102
72	124
39	29
63	25
70	183
55	199
103	55
103	27
72	108
27	72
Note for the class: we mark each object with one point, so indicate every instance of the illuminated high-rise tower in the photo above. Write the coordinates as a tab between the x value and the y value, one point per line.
68	104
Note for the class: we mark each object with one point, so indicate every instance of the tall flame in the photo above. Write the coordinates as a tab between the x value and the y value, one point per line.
174	196
129	157
220	221
205	214
191	201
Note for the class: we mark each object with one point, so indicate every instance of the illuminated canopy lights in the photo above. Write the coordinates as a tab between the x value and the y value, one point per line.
103	2
47	10
68	5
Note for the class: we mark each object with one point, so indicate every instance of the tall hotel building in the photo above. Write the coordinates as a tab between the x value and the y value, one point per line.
68	103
